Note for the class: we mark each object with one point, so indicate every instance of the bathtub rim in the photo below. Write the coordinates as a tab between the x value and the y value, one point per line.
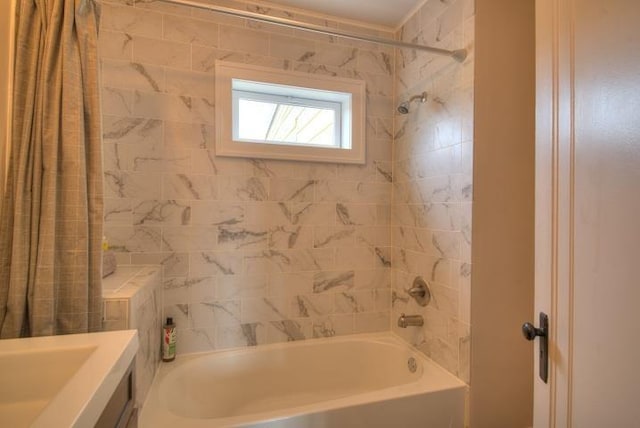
423	385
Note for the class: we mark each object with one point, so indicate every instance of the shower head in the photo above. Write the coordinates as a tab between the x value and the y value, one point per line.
403	108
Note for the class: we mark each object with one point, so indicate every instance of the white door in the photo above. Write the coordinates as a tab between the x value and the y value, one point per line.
588	211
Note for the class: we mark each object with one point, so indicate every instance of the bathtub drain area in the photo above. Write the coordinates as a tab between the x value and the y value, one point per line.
412	364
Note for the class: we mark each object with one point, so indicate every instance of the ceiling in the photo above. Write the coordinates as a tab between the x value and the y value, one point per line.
388	13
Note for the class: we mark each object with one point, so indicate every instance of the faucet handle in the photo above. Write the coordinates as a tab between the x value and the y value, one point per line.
417	292
420	291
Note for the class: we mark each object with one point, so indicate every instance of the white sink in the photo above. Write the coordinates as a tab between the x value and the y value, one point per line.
62	381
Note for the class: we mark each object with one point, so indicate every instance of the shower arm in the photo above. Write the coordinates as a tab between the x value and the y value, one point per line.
422	97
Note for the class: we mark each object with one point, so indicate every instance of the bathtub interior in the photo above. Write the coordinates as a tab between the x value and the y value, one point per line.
300	381
280	378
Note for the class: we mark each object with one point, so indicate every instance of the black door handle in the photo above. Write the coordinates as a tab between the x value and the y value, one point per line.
530	332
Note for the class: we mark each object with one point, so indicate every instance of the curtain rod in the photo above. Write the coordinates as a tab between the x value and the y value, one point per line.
458	55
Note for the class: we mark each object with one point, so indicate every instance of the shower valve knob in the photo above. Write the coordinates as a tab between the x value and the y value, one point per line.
420	291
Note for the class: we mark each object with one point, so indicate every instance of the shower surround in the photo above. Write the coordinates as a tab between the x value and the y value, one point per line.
257	251
253	251
432	195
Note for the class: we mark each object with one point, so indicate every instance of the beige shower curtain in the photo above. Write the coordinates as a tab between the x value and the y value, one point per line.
51	227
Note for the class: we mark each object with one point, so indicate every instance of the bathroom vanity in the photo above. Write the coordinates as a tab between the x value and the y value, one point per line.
67	381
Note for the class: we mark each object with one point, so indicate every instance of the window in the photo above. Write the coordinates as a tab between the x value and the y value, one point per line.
277	114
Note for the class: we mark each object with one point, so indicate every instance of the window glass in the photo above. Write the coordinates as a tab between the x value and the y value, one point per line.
281	119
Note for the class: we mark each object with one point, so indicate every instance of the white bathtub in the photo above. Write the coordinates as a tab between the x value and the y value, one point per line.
351	381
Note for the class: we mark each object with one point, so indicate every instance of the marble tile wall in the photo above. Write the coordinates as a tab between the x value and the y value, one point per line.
146	317
432	170
252	251
133	300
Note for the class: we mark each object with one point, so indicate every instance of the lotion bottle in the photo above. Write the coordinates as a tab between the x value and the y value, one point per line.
169	341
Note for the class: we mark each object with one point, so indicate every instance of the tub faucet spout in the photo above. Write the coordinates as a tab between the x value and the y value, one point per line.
410	320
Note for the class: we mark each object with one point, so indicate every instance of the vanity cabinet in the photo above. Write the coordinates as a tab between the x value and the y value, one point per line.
119	409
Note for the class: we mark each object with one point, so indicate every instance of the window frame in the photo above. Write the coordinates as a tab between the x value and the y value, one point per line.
353	118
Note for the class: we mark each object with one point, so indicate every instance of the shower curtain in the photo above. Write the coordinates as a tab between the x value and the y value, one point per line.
51	226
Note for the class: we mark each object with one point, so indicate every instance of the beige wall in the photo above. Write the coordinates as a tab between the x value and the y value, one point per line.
503	215
6	64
